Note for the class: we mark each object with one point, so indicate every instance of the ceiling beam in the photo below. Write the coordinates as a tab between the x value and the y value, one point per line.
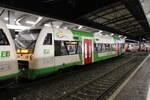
130	26
136	30
134	6
108	13
96	25
101	9
118	19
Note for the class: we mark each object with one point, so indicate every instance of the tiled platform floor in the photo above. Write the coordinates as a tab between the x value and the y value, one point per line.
138	86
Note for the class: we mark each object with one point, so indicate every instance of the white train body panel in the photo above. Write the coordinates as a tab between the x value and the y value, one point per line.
42	59
8	59
66	59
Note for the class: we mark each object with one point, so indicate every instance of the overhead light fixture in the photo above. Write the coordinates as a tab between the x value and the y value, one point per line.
16	35
106	35
120	36
47	25
100	31
17	27
18	30
80	27
37	21
125	37
30	22
57	26
100	34
65	28
6	18
112	34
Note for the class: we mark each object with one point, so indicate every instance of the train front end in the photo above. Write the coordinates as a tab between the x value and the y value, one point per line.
8	60
25	44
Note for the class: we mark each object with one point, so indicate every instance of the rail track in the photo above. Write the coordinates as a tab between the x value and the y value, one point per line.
98	88
102	87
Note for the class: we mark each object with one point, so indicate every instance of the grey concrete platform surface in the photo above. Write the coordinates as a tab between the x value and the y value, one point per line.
136	87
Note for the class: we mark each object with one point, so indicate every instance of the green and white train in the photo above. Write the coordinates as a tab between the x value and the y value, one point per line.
8	59
44	51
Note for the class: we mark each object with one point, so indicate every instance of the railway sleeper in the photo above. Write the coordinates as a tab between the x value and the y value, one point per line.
91	90
79	95
74	97
87	94
96	88
103	82
107	80
100	85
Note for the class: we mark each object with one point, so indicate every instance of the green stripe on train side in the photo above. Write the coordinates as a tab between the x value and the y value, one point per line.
15	75
33	73
100	58
116	38
80	34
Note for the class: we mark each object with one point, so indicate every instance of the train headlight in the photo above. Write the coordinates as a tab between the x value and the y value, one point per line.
24	51
18	51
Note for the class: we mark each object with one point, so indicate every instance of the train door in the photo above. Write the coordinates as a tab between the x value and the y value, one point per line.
8	60
87	51
118	49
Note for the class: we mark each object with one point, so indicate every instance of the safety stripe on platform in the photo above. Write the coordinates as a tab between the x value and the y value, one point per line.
148	94
127	80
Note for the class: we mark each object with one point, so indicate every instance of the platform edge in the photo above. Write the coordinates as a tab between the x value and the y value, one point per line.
127	80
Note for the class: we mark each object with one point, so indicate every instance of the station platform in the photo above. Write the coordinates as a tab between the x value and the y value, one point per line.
137	85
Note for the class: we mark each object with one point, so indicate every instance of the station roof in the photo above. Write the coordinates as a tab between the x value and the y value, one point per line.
124	17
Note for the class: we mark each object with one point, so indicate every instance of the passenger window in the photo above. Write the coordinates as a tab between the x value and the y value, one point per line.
79	50
48	39
57	48
3	38
72	47
60	48
95	48
67	48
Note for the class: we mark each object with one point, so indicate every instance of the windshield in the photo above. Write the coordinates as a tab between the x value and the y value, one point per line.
27	39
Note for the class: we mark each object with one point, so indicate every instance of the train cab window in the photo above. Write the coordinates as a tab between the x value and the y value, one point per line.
3	38
48	39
